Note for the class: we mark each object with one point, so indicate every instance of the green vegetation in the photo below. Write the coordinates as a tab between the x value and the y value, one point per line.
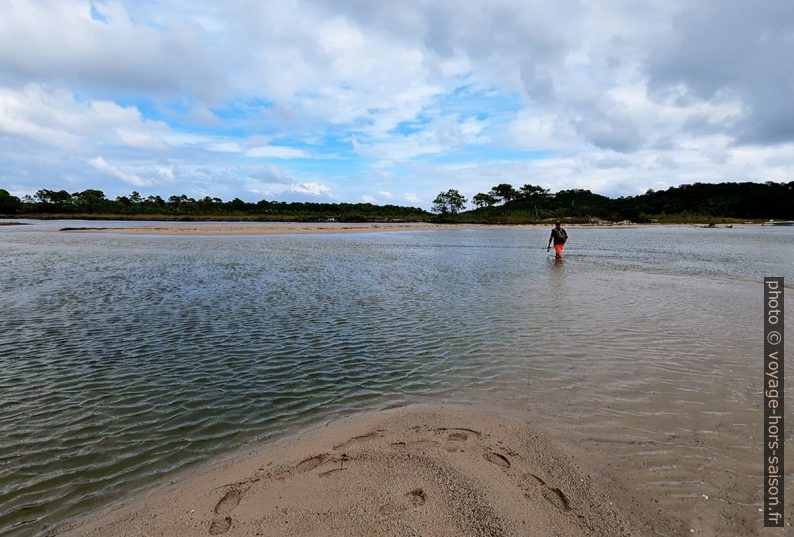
94	204
698	203
9	204
503	204
448	203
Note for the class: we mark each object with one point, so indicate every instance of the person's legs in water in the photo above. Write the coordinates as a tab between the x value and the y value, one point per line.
558	249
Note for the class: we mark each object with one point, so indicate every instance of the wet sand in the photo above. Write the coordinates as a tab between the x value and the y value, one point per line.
422	470
267	228
207	228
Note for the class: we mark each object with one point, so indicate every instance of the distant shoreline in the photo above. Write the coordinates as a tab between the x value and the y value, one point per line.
699	203
327	228
447	221
259	227
263	229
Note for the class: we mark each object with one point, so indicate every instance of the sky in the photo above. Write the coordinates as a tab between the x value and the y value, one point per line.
392	102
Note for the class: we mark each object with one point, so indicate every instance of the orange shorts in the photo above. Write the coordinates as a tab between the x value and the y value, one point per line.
558	248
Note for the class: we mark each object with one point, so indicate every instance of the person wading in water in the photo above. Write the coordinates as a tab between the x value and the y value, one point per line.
559	236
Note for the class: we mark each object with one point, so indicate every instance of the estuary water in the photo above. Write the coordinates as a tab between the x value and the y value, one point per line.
126	358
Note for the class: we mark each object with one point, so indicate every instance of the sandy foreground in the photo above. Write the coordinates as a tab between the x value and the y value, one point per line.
417	471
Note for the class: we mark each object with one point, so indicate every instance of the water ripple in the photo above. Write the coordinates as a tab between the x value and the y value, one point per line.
125	359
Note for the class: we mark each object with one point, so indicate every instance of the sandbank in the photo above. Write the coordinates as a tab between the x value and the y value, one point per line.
206	228
440	470
265	228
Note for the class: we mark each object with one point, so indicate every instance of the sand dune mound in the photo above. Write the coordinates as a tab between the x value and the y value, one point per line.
429	471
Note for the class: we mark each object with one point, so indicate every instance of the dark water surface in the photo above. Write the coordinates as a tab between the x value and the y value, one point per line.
124	358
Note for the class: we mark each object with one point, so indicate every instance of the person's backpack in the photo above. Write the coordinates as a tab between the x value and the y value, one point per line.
561	235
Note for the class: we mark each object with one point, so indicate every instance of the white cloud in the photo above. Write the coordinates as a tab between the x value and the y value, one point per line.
36	116
140	139
536	131
271	181
166	173
614	96
225	147
57	118
443	134
313	188
103	166
63	43
275	151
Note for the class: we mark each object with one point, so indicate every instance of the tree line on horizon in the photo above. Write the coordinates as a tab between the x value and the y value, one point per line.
49	203
502	204
696	202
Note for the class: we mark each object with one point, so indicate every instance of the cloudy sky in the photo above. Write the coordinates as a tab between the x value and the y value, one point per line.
361	100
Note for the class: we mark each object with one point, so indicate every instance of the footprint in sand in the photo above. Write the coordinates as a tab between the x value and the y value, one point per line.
558	498
331	471
415	498
552	494
425	442
359	439
455	441
462	430
221	524
311	463
410	500
497	459
229	501
457	437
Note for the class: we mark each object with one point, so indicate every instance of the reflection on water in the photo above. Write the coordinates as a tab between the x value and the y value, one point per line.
126	358
555	262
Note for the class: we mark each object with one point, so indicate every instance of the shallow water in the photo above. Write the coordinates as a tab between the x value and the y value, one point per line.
126	358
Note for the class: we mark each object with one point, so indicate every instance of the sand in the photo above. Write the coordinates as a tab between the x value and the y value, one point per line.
271	228
417	471
266	228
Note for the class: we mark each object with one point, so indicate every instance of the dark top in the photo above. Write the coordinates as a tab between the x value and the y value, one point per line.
559	235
